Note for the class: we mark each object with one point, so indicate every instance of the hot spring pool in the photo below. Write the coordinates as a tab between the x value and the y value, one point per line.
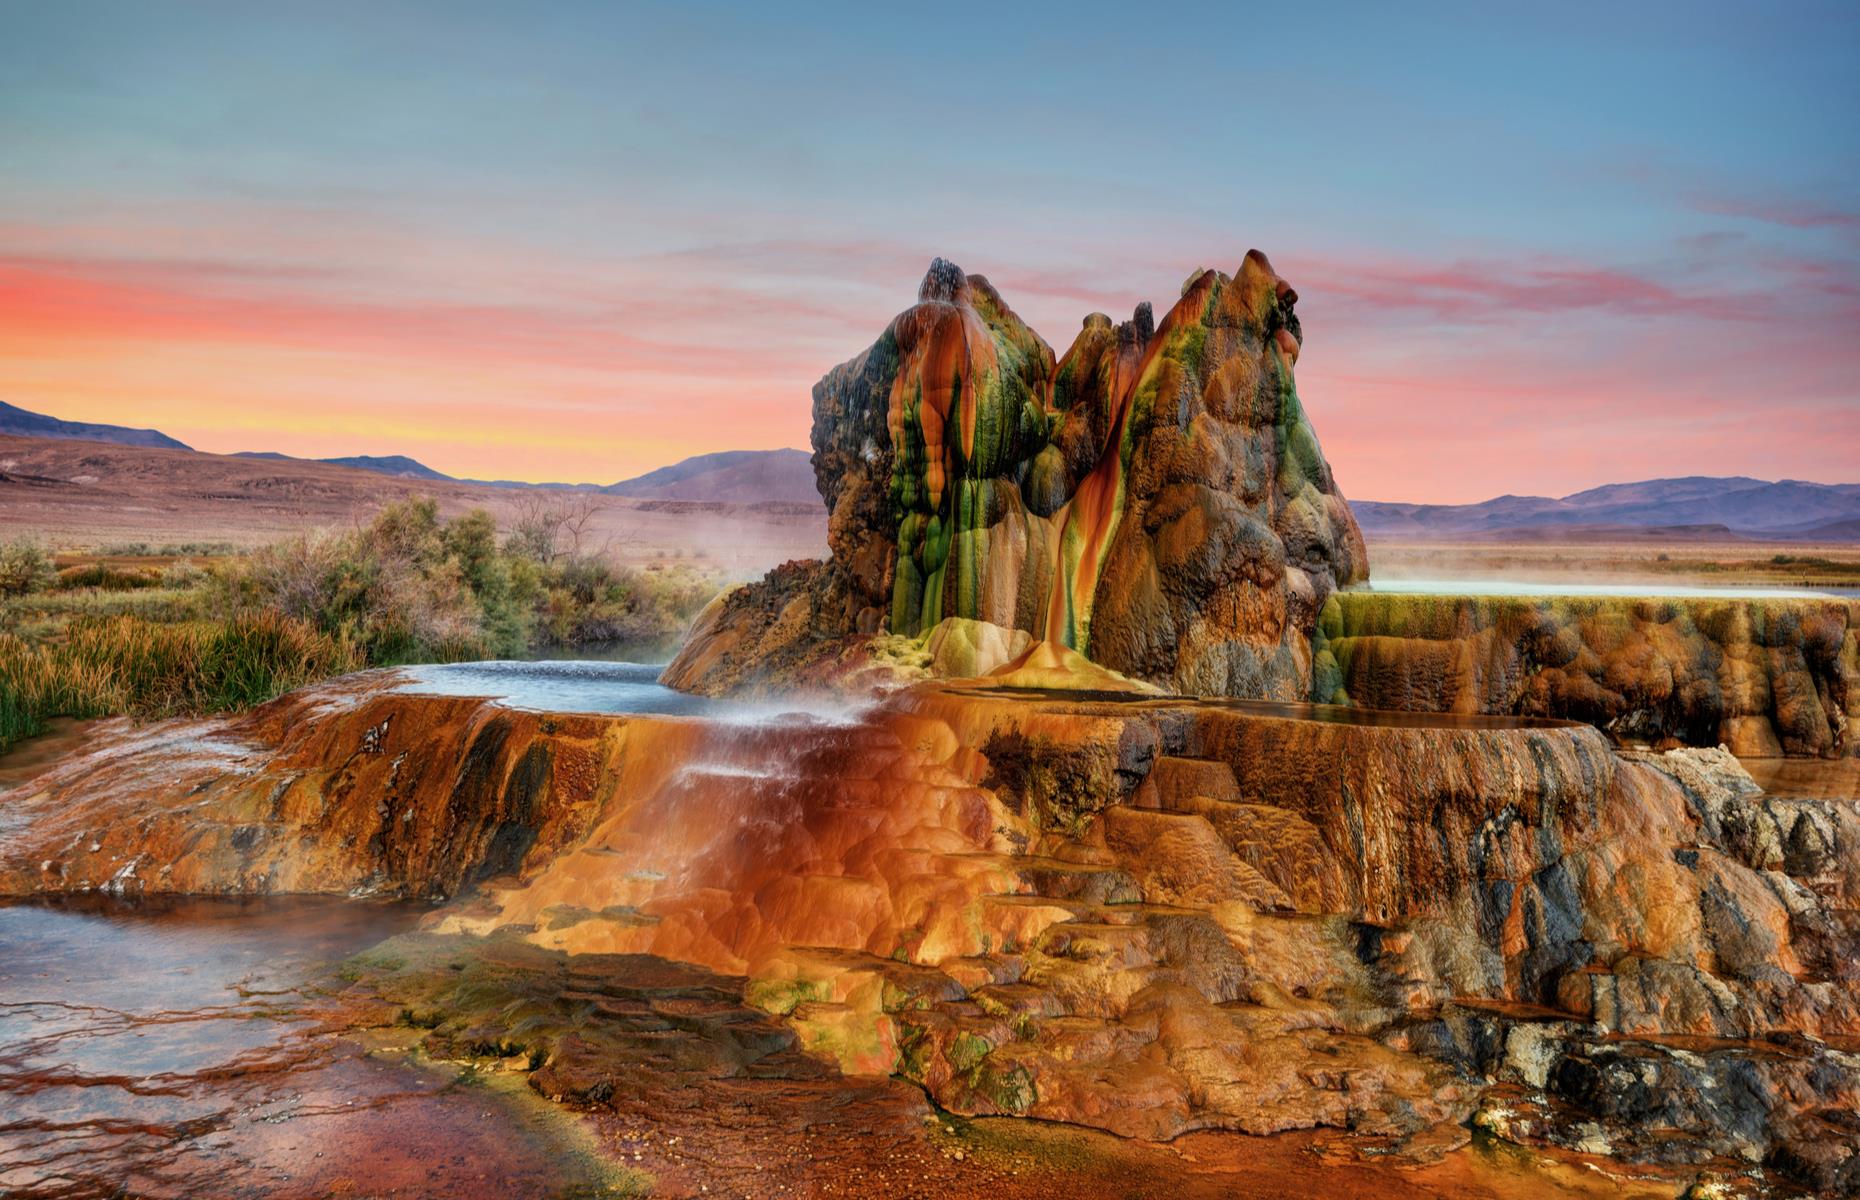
562	685
585	686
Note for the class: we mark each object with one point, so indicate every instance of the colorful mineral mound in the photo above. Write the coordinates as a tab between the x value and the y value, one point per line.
1154	499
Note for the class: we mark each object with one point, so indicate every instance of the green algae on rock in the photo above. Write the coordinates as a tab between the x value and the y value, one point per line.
1155	498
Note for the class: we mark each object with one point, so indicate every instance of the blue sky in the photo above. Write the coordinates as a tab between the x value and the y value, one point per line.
1536	251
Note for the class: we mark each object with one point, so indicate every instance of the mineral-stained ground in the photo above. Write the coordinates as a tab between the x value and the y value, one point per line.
1017	859
1130	913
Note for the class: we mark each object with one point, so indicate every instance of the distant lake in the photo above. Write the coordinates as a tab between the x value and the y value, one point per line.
1525	587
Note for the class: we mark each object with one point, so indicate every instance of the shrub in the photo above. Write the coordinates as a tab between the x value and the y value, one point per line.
409	587
183	575
169	550
107	578
394	587
173	639
591	600
24	567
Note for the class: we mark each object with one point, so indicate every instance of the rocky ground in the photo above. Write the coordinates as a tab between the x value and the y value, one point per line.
1123	911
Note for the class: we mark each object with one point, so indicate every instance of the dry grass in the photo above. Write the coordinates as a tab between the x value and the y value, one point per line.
125	664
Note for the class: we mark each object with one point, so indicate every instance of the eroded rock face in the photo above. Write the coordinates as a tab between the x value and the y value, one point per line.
1154	498
1129	911
1765	677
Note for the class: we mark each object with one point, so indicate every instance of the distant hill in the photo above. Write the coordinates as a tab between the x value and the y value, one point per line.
726	477
1736	505
21	423
1687	508
730	476
76	493
397	465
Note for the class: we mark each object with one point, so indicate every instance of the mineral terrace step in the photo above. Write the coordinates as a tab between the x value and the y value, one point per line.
1176	779
1063	879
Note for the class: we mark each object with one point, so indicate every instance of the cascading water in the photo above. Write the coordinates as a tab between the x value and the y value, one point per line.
760	826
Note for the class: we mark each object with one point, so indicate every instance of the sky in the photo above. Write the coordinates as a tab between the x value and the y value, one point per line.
1537	248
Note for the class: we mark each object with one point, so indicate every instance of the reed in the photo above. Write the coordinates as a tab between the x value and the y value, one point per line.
128	665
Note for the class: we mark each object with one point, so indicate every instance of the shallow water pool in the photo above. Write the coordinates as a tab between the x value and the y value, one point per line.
173	1048
578	686
561	685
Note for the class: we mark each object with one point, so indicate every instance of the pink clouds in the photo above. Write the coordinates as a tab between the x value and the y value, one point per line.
1478	291
1429	380
1540	375
1795	214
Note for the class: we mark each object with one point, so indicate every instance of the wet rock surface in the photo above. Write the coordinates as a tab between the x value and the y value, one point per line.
1133	912
179	1047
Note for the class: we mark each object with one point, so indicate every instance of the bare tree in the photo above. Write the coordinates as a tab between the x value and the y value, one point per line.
578	518
551	526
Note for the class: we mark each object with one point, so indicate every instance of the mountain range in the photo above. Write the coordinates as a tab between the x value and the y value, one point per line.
728	476
1688	507
397	465
21	423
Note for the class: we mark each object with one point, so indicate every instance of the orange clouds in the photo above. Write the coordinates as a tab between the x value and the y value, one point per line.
482	390
1450	381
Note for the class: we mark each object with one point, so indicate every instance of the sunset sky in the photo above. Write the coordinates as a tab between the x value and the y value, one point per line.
559	241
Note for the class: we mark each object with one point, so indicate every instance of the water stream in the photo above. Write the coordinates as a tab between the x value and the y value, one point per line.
616	688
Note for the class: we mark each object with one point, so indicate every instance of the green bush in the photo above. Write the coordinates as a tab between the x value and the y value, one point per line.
25	567
590	600
169	550
406	587
409	587
393	588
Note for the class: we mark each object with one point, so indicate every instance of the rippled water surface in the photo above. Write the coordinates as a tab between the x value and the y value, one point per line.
1807	778
172	1049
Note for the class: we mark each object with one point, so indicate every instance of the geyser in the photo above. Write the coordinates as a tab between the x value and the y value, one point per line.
1155	498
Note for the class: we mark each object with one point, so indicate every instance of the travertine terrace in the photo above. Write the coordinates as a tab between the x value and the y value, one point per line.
1144	914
